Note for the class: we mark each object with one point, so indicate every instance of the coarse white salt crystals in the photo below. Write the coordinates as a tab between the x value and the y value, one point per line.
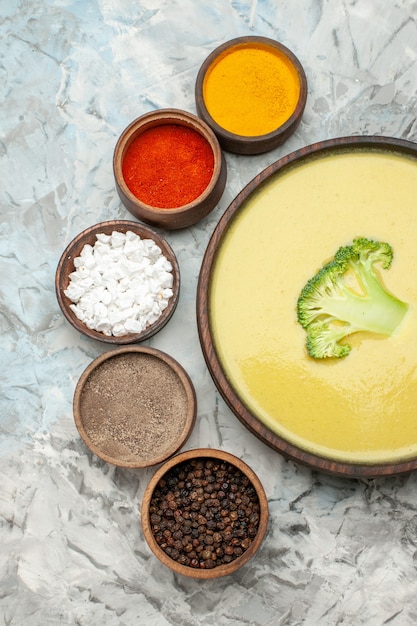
121	284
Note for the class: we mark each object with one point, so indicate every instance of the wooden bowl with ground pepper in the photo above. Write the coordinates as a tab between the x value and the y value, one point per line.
118	282
134	406
252	92
204	513
169	169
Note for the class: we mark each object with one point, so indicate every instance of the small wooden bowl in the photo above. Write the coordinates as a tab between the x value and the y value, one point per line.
66	266
241	143
202	454
134	406
174	217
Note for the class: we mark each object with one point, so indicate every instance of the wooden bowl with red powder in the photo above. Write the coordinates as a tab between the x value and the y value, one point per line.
169	168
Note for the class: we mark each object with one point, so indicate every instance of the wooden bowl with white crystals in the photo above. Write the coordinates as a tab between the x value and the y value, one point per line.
65	274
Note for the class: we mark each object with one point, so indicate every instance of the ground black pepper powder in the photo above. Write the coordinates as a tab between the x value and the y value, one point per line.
133	407
204	513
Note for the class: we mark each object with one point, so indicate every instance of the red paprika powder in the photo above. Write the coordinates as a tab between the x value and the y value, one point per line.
168	166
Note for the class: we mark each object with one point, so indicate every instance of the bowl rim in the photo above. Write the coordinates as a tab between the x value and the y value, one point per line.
221	570
156	118
246	144
66	265
144	351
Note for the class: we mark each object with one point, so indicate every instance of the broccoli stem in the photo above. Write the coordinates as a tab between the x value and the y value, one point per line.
347	296
376	311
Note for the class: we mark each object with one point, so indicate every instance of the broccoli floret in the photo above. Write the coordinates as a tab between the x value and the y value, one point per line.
346	296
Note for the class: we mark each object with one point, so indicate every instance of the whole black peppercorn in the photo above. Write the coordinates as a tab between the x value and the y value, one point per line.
204	513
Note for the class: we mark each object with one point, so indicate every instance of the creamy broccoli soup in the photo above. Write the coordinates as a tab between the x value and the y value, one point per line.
360	408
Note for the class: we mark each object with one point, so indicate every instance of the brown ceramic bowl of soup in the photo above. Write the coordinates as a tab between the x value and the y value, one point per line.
353	415
252	92
169	169
204	513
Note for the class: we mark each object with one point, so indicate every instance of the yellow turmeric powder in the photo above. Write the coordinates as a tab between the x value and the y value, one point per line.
251	89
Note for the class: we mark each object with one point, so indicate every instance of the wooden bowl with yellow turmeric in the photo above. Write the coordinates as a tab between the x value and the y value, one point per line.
252	92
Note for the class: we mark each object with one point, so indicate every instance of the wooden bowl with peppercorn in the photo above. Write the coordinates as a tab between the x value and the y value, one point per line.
169	168
204	513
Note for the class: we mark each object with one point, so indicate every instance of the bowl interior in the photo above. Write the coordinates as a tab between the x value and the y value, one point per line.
134	406
66	267
204	513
